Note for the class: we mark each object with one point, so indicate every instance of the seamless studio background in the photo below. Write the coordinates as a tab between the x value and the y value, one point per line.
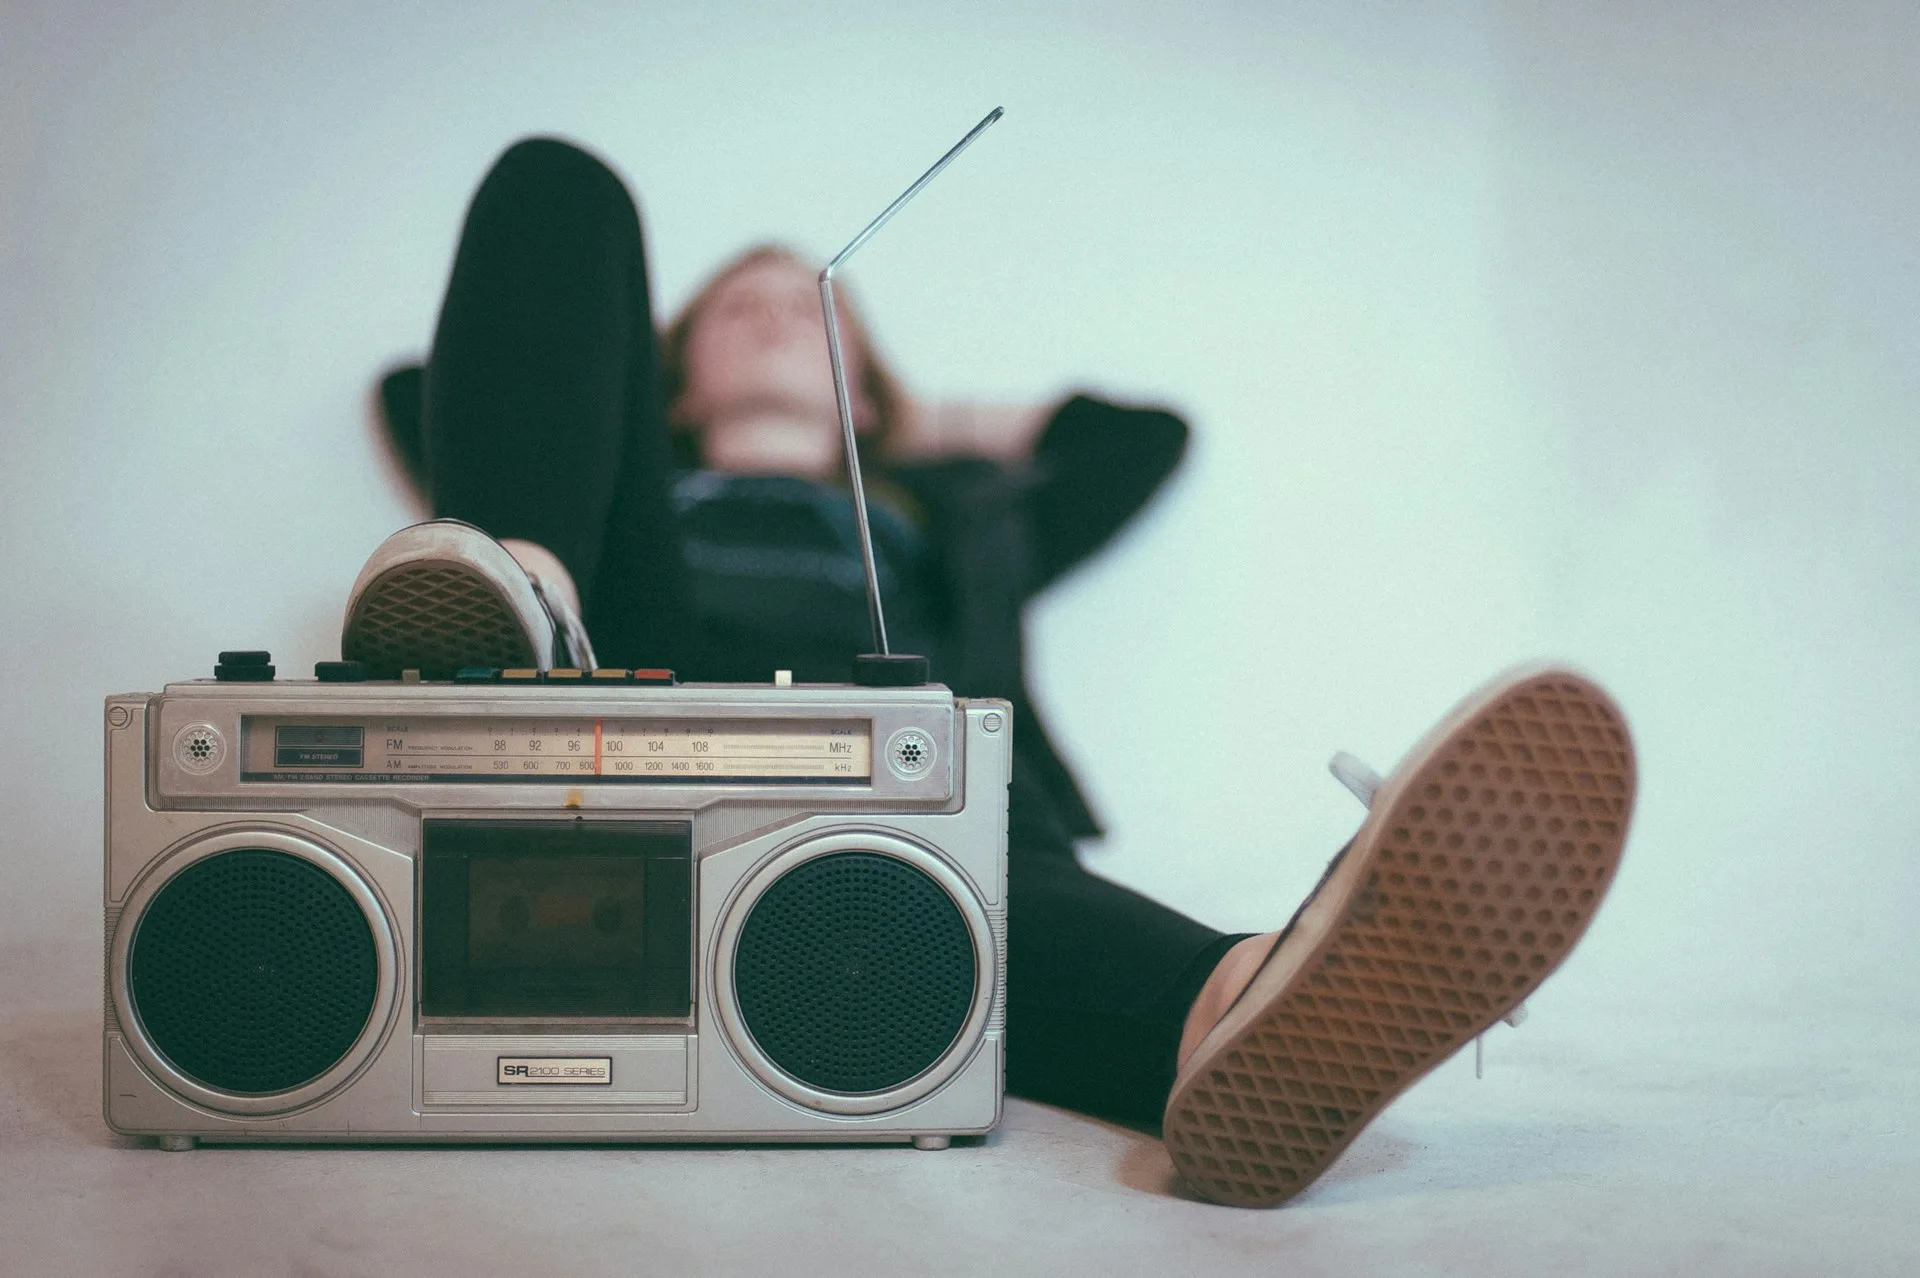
1504	331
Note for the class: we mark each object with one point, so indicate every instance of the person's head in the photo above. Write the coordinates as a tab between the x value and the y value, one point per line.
752	345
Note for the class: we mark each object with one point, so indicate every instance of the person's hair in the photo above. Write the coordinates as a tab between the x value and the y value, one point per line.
876	380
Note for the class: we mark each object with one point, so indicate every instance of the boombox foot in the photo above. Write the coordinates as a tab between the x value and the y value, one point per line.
919	1142
176	1144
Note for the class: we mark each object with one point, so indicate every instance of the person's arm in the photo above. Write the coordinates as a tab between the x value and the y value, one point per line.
1095	465
1087	465
956	428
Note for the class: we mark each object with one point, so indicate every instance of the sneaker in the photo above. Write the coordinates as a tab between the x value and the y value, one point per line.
1479	866
441	596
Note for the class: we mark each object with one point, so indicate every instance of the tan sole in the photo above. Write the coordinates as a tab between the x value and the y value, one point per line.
1480	865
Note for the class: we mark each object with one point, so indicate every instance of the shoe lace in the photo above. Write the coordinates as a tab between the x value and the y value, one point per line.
1364	782
573	632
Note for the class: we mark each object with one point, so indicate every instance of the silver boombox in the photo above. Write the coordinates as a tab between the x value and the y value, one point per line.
437	911
562	906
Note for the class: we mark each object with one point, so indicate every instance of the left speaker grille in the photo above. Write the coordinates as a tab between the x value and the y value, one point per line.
253	971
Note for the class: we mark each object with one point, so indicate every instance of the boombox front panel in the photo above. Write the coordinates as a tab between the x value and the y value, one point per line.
553	1070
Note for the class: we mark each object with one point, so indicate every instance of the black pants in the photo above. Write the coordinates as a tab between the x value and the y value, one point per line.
543	420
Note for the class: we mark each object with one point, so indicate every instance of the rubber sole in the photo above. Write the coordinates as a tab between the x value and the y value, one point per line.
1480	865
434	617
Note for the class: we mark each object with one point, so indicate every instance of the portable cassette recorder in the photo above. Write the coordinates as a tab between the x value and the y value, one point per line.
494	912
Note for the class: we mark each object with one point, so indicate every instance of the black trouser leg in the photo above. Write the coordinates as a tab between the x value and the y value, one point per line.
542	417
1099	983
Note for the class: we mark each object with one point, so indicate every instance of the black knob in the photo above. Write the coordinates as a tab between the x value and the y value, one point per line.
243	672
889	670
339	671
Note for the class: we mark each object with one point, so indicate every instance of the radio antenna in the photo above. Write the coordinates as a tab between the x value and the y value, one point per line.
881	668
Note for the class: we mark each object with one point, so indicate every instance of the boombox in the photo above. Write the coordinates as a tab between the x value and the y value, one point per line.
554	912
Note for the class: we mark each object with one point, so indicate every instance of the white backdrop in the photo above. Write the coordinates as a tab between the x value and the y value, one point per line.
1503	331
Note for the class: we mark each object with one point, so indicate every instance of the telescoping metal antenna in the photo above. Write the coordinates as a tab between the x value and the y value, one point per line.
881	668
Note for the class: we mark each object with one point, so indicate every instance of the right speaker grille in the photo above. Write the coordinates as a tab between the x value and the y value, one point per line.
854	972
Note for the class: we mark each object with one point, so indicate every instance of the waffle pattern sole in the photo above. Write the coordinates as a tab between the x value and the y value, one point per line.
435	618
1479	868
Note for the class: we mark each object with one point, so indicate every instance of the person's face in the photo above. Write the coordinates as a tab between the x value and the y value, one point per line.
758	348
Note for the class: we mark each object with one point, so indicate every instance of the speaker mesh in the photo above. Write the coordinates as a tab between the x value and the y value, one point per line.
253	971
854	972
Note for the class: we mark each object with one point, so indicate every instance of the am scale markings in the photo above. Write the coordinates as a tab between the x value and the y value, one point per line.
599	747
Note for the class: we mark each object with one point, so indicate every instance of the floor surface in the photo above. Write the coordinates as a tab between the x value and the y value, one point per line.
1638	1142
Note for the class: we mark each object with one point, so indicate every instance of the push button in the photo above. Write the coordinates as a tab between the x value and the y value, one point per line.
247	665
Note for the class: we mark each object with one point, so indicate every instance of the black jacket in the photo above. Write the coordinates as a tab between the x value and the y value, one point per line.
1006	533
999	535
